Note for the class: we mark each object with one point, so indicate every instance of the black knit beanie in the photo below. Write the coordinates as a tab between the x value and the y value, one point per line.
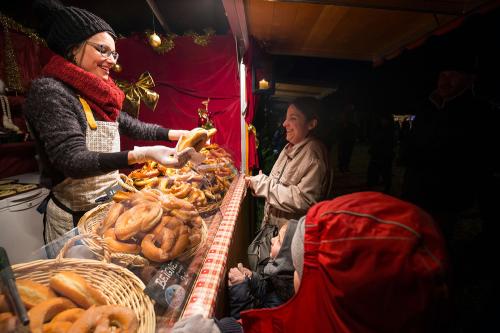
63	27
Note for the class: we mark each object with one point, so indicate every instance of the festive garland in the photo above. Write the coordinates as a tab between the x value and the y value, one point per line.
201	40
9	23
12	74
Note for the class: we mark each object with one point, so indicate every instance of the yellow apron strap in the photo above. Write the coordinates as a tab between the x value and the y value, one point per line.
88	114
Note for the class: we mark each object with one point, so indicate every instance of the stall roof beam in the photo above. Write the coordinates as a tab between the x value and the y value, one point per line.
235	12
449	7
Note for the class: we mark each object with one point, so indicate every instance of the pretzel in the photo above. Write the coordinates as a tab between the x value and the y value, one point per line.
117	246
57	326
180	190
114	212
165	238
121	196
146	182
46	310
70	315
144	173
106	318
142	217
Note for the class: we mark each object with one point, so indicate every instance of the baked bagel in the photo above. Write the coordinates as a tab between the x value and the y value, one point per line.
196	138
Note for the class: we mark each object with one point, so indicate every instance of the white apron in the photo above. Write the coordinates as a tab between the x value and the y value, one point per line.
79	195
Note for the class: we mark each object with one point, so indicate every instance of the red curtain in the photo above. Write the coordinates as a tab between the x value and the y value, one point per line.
184	77
17	158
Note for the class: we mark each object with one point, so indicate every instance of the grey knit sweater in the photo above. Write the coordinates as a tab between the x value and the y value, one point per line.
57	120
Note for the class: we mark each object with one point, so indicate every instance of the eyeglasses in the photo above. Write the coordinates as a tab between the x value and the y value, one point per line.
104	50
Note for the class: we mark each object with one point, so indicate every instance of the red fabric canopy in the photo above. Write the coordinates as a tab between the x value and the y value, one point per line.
184	77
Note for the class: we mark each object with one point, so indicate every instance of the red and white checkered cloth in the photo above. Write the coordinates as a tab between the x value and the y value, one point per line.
204	294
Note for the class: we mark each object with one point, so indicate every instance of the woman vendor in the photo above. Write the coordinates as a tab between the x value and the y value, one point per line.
74	113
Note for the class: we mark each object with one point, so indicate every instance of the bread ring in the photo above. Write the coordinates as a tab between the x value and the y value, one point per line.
45	311
33	293
196	138
114	212
77	289
58	326
70	315
117	246
142	217
106	318
166	240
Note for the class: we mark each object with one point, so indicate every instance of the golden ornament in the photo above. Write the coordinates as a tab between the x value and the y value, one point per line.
154	40
140	91
117	68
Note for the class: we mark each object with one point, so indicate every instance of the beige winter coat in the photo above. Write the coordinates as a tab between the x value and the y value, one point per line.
300	178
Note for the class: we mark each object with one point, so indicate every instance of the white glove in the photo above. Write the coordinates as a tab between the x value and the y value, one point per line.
196	324
191	155
160	154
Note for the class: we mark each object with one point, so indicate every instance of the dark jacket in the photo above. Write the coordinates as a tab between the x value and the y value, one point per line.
271	285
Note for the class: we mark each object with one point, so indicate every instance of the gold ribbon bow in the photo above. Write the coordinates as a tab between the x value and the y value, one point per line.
251	128
140	91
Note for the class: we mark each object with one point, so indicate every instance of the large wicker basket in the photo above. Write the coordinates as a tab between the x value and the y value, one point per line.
89	223
119	286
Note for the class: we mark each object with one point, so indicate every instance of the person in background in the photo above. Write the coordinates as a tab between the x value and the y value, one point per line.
271	284
300	177
74	114
450	149
364	262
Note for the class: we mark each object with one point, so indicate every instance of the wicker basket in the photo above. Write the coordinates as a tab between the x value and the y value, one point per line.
89	223
118	285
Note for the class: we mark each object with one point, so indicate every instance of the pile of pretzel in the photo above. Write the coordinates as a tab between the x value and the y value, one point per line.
156	225
69	304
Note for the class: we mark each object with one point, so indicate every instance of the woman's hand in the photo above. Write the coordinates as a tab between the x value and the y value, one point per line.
248	182
175	135
161	154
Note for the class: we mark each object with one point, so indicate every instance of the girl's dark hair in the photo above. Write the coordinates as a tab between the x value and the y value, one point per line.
311	108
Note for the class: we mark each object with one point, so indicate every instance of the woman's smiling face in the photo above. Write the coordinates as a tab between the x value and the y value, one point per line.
91	54
296	125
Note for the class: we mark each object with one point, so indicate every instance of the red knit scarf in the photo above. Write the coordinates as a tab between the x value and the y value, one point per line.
103	96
